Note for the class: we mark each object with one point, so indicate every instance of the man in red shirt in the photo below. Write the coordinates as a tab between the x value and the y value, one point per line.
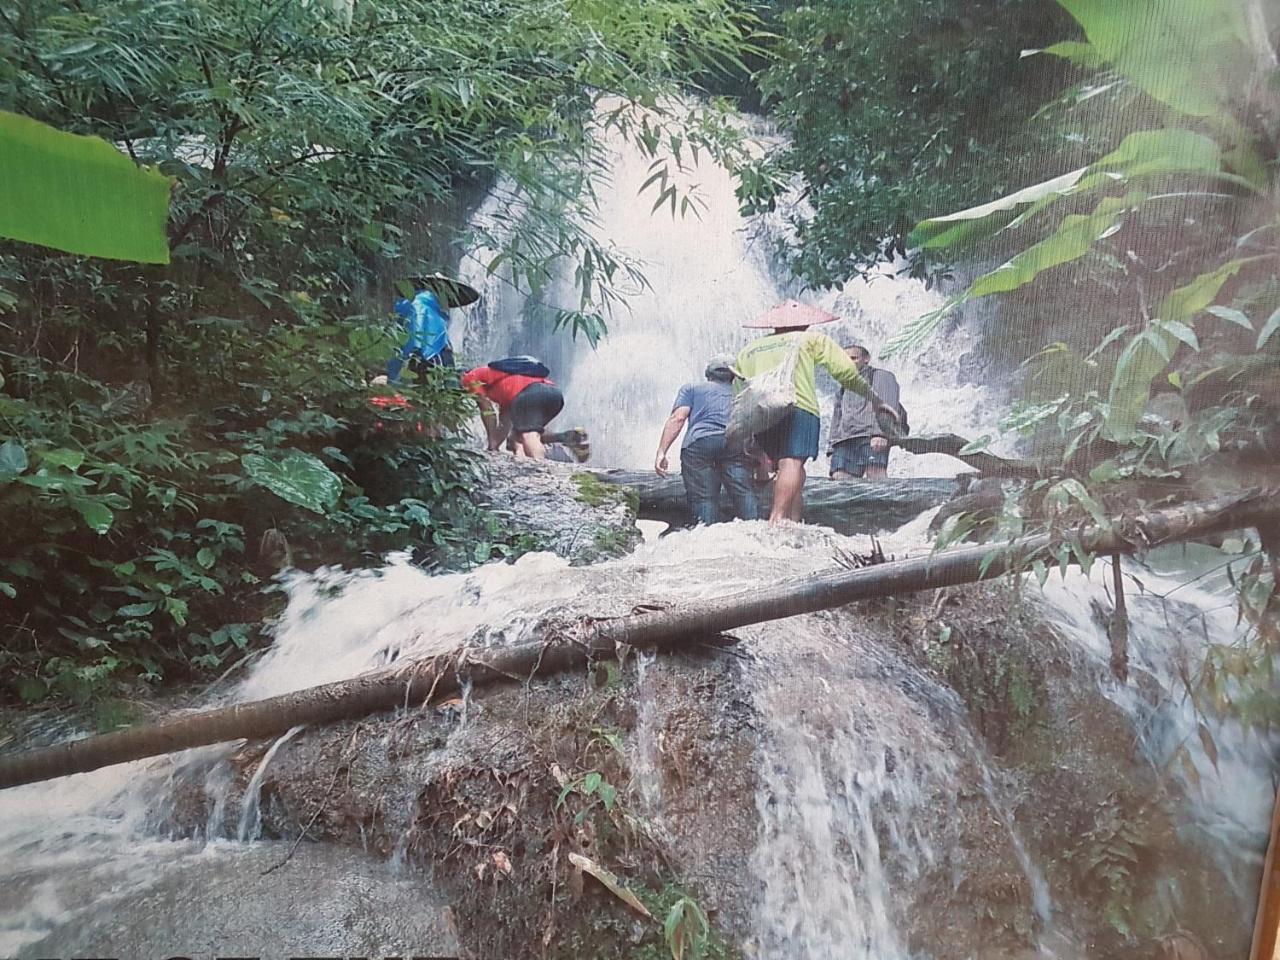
526	404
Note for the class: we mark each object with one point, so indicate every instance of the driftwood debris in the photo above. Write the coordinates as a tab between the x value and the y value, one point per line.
847	506
675	627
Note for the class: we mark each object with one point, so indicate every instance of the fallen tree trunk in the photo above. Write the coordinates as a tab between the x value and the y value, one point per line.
665	629
987	463
847	506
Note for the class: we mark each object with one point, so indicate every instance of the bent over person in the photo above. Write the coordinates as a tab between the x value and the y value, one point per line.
794	438
707	460
526	400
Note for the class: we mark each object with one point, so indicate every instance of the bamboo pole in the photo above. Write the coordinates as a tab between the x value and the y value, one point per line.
683	625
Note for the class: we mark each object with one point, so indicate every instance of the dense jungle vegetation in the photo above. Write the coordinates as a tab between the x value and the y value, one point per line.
169	431
1118	166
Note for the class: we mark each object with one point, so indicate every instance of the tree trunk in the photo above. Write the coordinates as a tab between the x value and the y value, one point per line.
987	463
848	506
676	627
1118	633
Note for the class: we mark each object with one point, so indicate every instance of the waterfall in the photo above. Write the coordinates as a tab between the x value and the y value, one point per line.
708	272
871	780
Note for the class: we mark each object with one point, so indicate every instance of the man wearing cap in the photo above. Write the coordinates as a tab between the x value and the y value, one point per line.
794	438
706	461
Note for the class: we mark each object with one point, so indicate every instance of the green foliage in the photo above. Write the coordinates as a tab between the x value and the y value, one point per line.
594	791
895	109
1108	862
686	929
1189	54
171	435
1169	374
79	194
1001	687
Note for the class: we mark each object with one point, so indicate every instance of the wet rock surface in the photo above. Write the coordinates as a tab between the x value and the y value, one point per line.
830	746
563	508
266	901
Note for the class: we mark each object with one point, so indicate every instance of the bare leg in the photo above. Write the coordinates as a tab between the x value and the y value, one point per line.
532	444
787	490
797	499
842	475
876	472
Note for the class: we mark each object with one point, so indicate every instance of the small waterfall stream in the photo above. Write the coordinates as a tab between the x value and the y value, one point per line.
868	766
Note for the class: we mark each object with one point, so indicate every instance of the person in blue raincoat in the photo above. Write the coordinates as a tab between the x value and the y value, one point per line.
428	344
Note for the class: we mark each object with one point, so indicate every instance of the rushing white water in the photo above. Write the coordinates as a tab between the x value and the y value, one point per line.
1174	617
708	273
251	803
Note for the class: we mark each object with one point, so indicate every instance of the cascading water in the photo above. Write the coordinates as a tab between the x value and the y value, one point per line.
1180	602
868	771
708	273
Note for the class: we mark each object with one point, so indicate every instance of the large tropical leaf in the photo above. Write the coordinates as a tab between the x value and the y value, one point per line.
1189	54
948	230
297	477
1148	353
1145	153
1075	235
1082	54
79	194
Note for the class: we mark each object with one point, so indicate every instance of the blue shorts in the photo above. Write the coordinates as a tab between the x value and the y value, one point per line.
795	436
854	456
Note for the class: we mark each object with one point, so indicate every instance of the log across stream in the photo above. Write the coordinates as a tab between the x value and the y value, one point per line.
665	629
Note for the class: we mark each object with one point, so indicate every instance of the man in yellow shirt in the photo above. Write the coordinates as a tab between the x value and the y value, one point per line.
794	439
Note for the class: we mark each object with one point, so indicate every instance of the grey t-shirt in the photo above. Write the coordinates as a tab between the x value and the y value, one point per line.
709	403
854	416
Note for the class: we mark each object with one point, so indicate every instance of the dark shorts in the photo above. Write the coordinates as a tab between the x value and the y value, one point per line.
795	437
535	406
854	456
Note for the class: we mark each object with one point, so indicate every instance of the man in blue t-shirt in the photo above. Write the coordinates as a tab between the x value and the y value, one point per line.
706	461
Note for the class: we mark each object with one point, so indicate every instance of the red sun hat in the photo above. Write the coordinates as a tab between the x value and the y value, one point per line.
791	313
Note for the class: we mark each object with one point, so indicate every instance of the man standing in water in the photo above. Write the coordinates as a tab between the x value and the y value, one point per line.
707	461
794	438
858	444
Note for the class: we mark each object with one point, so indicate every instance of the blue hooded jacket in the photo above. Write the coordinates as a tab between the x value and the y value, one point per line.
428	330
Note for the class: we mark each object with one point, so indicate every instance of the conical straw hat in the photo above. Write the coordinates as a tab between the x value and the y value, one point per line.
791	313
451	293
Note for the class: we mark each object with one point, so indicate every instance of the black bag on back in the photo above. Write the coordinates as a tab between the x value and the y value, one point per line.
523	366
